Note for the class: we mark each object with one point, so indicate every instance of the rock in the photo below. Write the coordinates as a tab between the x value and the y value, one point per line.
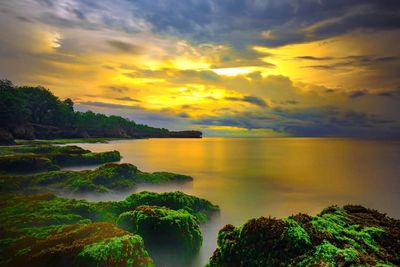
23	131
94	244
26	164
46	230
352	235
6	138
185	134
22	159
163	227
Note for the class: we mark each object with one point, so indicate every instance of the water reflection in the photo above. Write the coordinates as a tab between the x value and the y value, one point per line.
277	176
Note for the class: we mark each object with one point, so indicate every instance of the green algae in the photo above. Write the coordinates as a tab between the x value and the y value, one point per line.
36	222
296	234
177	229
348	236
105	178
66	141
126	250
30	159
328	253
335	223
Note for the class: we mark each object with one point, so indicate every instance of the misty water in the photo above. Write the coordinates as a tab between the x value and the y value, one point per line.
253	177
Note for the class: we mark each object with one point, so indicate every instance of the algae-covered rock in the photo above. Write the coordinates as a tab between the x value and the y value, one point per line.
352	235
6	137
55	231
26	163
93	244
23	159
160	226
201	208
105	178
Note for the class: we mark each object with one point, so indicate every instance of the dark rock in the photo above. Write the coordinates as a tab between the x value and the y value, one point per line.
6	138
23	131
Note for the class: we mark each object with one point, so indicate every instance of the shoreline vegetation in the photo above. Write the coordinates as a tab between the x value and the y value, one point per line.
31	113
146	228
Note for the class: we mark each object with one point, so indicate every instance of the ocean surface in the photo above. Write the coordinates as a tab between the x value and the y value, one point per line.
253	177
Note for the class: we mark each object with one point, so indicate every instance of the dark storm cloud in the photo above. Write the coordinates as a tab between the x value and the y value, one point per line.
314	58
349	61
124	46
118	89
107	105
249	99
127	98
240	22
316	121
357	94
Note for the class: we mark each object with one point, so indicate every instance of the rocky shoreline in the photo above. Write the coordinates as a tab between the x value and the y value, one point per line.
46	132
147	228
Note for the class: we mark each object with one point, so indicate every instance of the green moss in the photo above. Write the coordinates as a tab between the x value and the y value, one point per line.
26	163
126	250
161	226
23	159
41	149
296	234
67	141
200	208
334	222
105	178
349	236
40	221
329	254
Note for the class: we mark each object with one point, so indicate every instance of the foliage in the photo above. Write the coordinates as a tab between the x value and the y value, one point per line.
25	104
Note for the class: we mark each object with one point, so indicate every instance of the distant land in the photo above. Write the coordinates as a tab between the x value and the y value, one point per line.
30	113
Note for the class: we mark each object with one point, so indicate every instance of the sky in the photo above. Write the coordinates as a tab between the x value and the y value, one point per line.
225	67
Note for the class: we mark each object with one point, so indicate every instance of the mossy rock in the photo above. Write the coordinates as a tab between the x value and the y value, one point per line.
160	226
95	244
201	208
39	158
39	223
26	164
348	236
41	149
108	177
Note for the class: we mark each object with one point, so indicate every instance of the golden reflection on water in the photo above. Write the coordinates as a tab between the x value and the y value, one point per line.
277	177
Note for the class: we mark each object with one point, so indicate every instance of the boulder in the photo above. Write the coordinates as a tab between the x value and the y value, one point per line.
6	138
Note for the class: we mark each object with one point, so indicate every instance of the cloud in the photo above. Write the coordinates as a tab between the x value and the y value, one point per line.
108	105
350	61
313	121
357	94
118	89
249	99
124	46
314	58
127	98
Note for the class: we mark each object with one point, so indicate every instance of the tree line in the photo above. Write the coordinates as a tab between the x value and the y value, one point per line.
37	105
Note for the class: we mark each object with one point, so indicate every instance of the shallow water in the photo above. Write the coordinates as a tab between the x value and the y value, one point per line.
277	177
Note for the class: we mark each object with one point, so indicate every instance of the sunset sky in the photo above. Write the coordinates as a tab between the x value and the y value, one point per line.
227	68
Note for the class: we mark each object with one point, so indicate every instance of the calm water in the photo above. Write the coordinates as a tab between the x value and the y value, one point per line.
277	177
